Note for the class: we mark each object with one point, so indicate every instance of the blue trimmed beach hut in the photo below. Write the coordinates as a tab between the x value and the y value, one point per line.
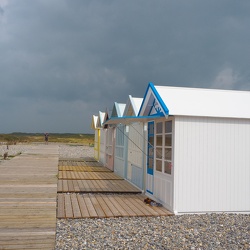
198	144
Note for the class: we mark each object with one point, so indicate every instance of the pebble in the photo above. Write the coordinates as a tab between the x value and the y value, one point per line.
14	150
75	151
204	231
189	231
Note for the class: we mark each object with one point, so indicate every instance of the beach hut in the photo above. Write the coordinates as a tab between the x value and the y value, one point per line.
117	111
123	139
97	137
198	144
130	143
120	139
136	143
102	136
109	141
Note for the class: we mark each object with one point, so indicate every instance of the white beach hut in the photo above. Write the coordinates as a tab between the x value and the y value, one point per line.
129	152
102	136
119	142
122	160
97	137
198	156
117	111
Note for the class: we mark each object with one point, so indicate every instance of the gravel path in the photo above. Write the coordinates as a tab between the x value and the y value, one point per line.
206	231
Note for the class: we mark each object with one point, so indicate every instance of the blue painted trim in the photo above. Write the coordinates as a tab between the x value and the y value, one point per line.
149	85
149	192
151	107
150	170
158	97
134	117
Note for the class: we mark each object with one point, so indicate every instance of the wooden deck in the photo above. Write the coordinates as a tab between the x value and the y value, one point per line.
96	186
105	205
86	189
28	189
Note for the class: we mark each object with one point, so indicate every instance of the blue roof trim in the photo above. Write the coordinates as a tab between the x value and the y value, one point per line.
151	107
134	117
161	102
144	97
158	97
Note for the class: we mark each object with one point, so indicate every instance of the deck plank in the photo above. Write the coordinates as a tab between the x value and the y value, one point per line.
60	206
104	206
68	206
84	186
93	191
75	206
97	206
28	185
90	207
111	206
83	207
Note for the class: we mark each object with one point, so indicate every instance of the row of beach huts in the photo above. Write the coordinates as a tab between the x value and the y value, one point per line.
186	148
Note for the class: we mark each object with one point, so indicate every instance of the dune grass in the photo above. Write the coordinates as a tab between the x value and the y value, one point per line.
13	138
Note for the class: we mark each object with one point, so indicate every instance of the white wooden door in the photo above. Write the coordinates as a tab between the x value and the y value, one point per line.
135	154
150	159
110	149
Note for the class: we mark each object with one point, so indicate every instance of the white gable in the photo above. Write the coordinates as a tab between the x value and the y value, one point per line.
118	109
132	106
94	122
100	119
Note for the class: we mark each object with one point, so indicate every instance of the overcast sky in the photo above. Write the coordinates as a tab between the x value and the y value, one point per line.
61	61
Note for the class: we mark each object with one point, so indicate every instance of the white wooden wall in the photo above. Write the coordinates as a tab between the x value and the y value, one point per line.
103	146
119	157
211	165
96	145
135	154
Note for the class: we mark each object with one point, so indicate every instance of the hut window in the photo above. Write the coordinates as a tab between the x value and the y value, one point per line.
168	154
168	148
159	145
159	165
168	167
159	140
159	128
168	140
168	127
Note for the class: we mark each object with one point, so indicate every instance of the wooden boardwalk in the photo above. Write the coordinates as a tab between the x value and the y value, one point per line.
105	205
86	189
96	186
28	190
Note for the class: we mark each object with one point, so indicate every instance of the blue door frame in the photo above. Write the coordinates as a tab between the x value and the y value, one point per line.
150	155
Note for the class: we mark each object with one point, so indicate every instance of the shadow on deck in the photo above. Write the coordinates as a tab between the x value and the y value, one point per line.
87	189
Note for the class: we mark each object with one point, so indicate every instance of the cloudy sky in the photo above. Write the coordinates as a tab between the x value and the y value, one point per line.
61	61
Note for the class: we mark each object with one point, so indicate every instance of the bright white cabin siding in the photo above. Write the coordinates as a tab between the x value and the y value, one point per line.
97	144
120	150
102	145
135	154
211	164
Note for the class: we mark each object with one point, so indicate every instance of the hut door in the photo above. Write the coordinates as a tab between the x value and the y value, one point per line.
110	149
150	158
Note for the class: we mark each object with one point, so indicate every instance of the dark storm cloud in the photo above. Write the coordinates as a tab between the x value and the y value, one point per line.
62	61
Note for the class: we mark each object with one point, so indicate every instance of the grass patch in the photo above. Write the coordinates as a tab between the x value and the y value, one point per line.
13	138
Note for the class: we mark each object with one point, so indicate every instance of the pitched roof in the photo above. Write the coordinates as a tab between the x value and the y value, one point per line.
195	102
94	122
118	109
100	119
132	106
